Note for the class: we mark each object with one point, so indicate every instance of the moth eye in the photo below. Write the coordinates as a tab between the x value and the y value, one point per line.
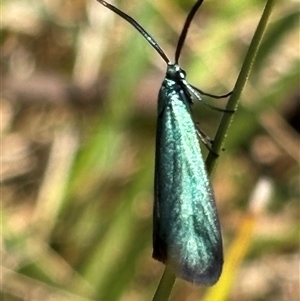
182	74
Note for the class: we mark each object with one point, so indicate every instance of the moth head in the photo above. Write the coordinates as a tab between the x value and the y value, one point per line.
175	72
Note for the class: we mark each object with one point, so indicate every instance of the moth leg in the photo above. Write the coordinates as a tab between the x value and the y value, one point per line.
206	140
197	94
212	95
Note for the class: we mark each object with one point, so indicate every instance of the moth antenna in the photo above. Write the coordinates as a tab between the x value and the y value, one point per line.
185	29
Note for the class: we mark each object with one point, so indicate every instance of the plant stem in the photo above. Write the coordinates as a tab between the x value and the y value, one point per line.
239	86
165	286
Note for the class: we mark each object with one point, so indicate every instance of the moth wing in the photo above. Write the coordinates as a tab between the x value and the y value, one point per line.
186	232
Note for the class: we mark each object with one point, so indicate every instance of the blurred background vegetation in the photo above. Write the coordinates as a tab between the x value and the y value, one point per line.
79	88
